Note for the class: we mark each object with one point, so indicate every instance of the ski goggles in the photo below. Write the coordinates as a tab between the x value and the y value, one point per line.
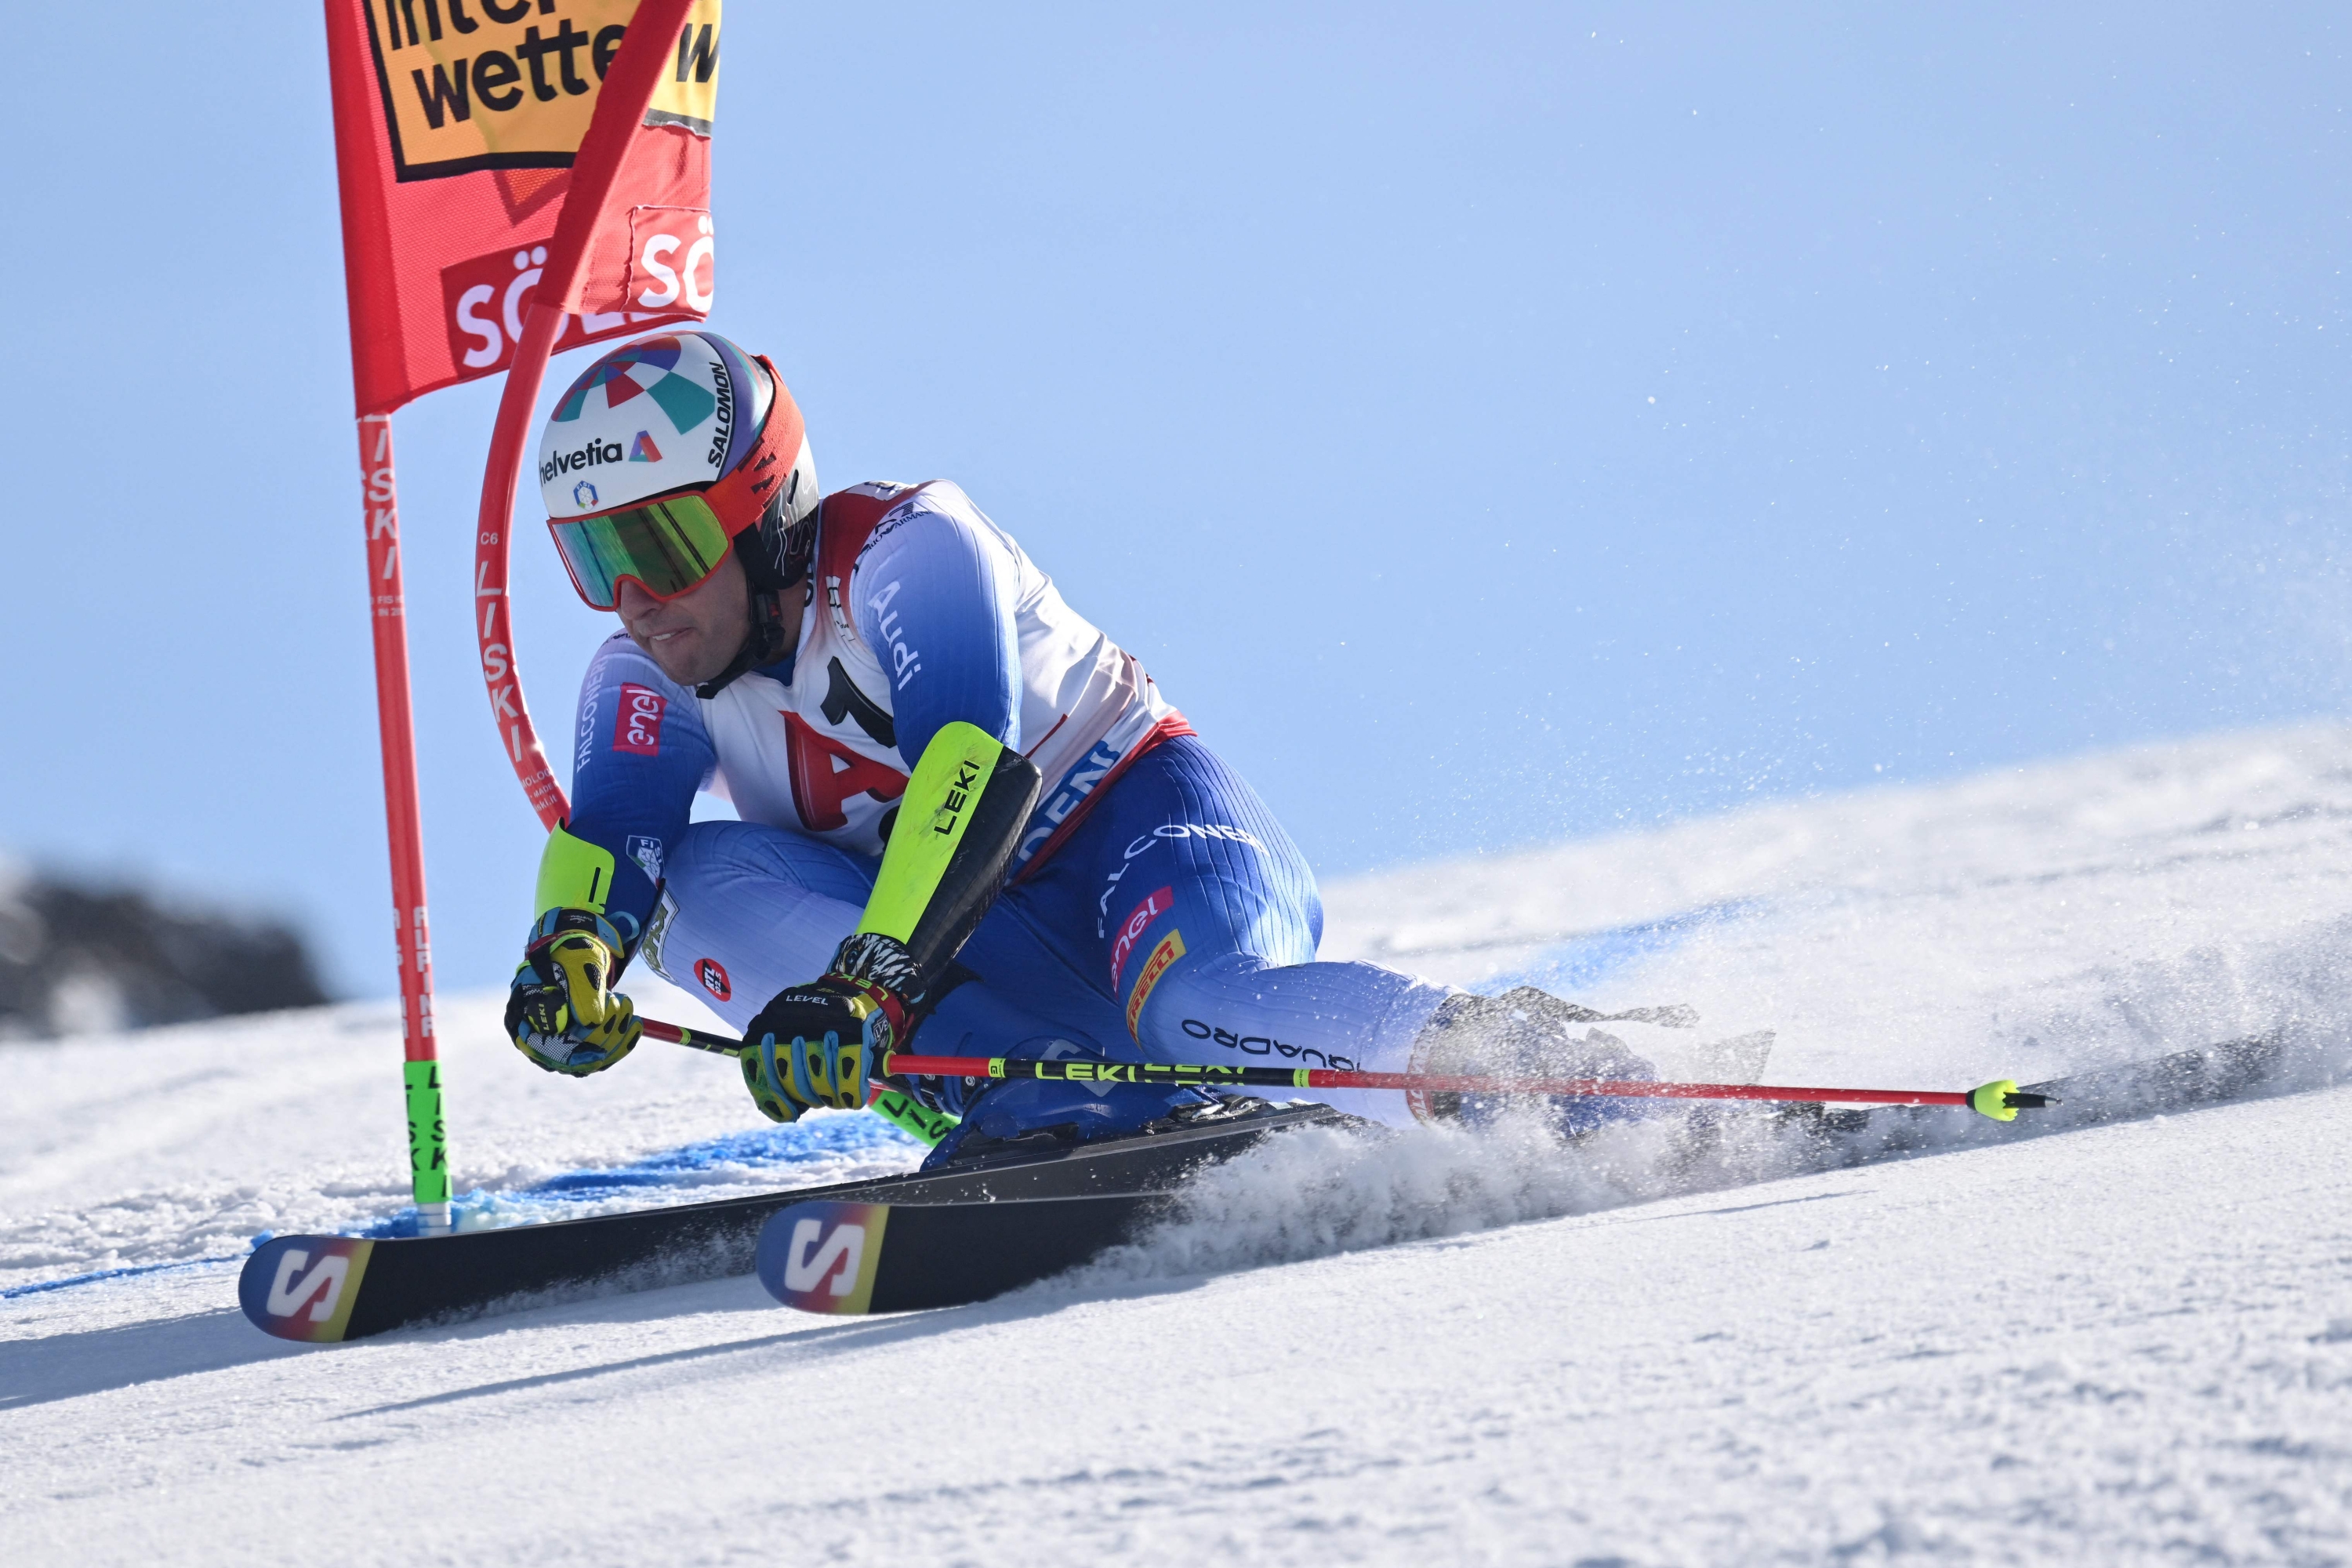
671	544
666	546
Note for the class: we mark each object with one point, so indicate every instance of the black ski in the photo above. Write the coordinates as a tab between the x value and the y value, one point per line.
1014	1214
2182	1080
825	1255
324	1288
835	1253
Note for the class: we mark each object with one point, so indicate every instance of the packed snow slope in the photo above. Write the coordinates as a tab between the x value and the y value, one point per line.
2123	1343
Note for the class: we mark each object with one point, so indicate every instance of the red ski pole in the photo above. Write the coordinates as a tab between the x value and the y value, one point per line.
2001	1099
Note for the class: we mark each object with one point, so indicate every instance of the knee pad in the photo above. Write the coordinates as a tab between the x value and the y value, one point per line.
747	910
730	858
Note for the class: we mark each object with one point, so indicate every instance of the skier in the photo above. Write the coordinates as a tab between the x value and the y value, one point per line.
963	809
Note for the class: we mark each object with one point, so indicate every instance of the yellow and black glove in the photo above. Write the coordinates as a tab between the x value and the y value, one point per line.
962	812
823	1043
562	1011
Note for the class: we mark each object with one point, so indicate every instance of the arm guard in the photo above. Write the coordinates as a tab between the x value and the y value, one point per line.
575	874
957	823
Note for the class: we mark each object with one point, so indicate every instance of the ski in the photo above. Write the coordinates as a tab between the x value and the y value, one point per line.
834	1256
322	1290
1007	1216
2182	1080
2179	1081
823	1254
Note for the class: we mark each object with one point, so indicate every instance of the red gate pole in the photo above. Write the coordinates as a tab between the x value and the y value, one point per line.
493	611
636	71
429	1140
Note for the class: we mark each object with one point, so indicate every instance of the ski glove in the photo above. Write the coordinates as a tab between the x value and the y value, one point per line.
561	1012
823	1044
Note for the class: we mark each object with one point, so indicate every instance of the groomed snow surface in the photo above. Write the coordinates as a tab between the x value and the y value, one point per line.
2114	1343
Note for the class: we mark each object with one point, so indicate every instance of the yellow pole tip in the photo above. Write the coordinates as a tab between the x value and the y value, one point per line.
1992	1100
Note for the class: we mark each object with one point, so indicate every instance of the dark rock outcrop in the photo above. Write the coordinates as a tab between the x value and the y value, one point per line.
77	960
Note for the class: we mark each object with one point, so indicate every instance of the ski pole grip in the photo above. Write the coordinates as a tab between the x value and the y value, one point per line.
699	1039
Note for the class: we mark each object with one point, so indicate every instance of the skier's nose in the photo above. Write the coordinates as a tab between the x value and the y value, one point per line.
632	601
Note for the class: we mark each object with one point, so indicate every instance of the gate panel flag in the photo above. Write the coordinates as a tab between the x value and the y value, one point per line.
455	125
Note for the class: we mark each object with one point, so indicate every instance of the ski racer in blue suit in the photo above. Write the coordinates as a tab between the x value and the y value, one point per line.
964	812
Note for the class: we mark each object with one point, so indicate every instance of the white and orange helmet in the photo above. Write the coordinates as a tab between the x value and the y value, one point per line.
664	456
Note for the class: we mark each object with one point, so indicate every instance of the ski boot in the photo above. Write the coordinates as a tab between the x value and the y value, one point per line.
1525	1033
1027	1114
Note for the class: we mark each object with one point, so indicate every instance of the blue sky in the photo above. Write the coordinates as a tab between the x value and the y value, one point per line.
1490	425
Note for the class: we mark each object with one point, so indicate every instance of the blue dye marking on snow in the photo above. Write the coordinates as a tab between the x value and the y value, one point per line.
794	1143
1582	962
70	1280
816	1140
819	1139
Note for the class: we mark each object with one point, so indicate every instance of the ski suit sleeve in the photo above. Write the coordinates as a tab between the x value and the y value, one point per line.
936	597
639	753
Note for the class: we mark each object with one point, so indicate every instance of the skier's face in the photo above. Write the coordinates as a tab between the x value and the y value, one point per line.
697	634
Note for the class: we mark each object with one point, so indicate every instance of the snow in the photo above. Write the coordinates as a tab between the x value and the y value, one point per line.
2118	1343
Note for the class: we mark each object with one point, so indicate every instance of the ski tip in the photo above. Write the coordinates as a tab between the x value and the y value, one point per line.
303	1287
820	1256
2001	1099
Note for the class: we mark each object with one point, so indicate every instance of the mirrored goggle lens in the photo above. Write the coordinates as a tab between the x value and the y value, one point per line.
668	546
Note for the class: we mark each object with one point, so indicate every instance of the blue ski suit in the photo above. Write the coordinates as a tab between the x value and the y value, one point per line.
1156	910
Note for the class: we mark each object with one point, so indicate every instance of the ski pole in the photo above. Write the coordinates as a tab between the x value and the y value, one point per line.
2000	1099
900	1110
700	1039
